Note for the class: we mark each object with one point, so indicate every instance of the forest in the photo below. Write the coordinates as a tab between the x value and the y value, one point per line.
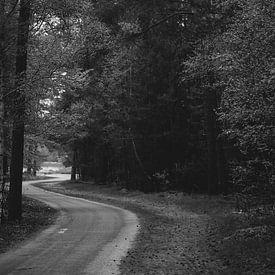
147	95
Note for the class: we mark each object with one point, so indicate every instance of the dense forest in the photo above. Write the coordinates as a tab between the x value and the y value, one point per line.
148	95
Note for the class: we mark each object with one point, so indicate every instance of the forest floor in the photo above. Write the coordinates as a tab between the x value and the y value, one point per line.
36	216
187	234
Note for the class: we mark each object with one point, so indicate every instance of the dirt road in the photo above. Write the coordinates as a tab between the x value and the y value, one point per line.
88	238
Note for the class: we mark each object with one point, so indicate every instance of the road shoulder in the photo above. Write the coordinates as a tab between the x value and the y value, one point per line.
37	216
181	234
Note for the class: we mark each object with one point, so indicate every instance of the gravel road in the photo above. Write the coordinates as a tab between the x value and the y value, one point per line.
87	238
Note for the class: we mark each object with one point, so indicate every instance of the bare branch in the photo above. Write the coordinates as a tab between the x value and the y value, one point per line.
13	8
164	20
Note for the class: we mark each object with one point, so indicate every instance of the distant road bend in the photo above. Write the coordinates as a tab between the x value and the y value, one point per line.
88	238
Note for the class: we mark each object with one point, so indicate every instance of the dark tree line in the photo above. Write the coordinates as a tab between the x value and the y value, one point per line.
162	131
149	95
170	96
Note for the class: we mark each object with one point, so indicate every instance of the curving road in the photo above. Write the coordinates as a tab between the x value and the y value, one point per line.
87	238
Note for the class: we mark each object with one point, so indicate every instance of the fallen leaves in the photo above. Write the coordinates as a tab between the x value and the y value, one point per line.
36	215
180	234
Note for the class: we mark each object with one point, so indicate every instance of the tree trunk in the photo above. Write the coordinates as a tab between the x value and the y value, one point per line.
34	168
29	166
211	135
222	167
216	160
15	193
73	171
2	113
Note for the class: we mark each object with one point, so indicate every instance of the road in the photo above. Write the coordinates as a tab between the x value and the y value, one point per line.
87	238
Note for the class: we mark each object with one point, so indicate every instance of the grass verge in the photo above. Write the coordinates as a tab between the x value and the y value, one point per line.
185	234
27	177
36	216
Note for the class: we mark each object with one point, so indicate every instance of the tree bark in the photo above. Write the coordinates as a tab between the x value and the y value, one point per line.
16	169
2	112
215	151
211	135
73	171
34	168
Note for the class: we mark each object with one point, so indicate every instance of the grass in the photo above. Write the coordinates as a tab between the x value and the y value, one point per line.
247	243
185	234
27	177
36	216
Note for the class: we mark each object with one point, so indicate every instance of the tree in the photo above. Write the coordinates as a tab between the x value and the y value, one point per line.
2	179
16	168
142	93
238	57
7	27
245	63
139	121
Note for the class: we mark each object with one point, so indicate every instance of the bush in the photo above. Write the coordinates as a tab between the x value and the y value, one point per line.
254	184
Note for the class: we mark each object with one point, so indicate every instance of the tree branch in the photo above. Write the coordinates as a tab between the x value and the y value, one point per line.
13	8
164	20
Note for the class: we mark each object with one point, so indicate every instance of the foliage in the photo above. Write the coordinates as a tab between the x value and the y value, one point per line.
240	57
156	95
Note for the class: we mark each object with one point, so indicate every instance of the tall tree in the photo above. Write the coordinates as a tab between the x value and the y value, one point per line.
16	167
2	33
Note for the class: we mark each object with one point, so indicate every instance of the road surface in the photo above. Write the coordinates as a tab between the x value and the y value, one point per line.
88	238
